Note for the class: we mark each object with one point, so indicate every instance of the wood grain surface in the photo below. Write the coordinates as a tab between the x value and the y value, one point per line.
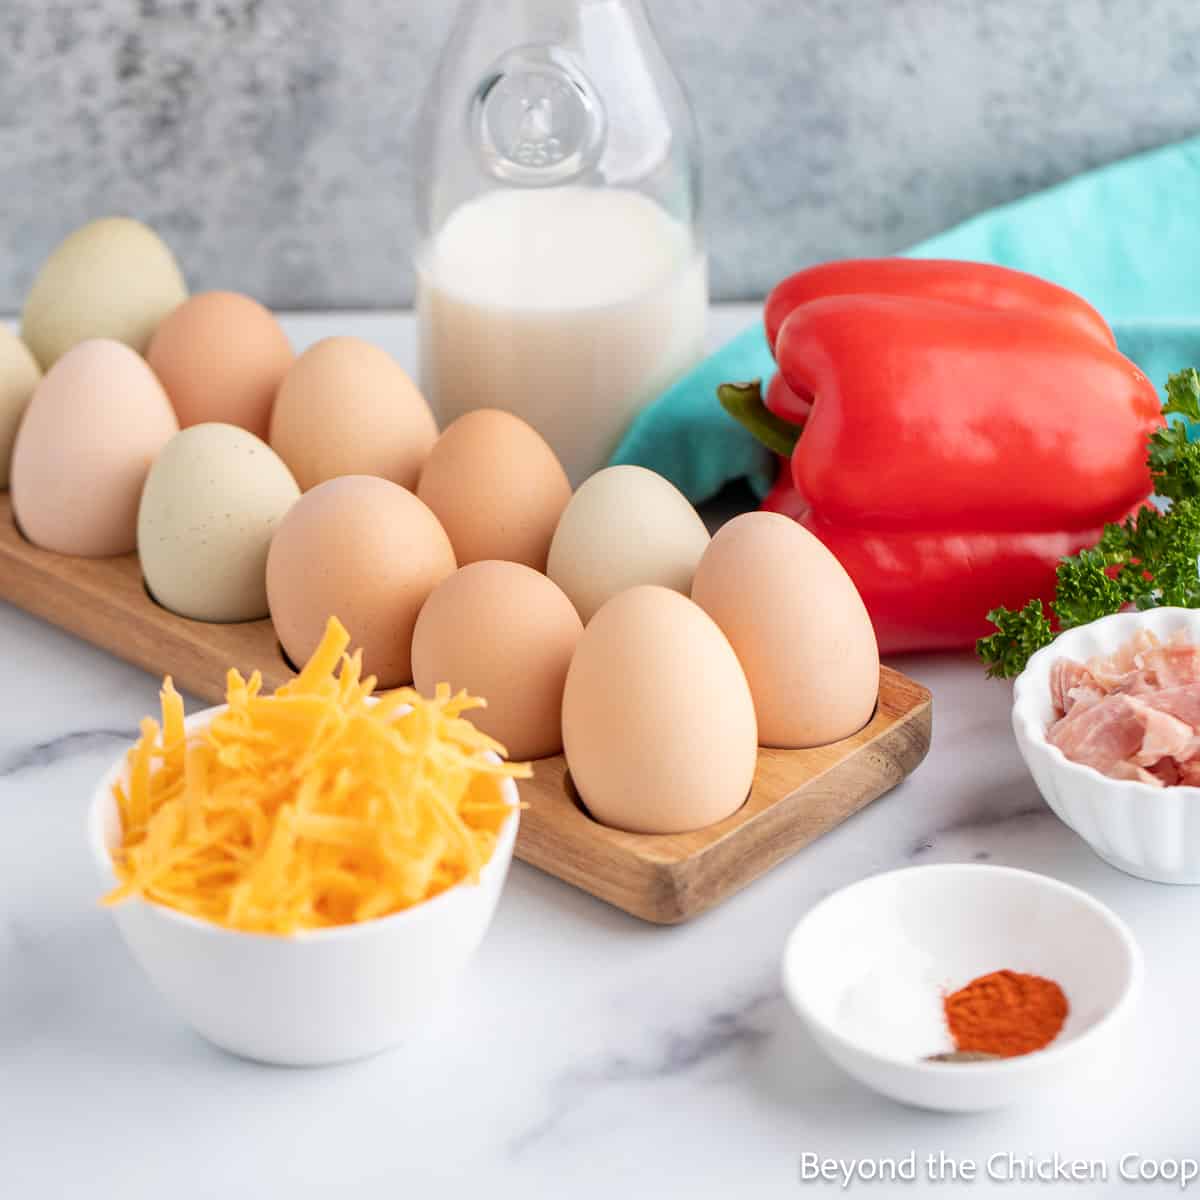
797	795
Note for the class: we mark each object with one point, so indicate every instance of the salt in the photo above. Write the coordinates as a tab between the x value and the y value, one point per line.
894	1006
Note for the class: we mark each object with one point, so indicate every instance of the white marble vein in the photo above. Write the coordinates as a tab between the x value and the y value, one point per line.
64	746
586	1054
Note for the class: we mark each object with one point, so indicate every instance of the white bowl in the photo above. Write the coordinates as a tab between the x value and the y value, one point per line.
868	967
316	997
1153	833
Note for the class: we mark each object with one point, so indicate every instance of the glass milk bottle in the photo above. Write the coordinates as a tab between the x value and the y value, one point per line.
560	274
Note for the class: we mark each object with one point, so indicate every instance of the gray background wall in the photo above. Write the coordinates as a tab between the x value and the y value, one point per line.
268	139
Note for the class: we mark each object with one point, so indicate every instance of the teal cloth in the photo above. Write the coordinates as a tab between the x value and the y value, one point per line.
1126	237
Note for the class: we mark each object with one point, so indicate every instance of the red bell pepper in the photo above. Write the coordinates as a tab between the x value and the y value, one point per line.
950	443
927	591
981	285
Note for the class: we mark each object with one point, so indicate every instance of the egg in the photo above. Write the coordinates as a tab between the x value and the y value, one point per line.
798	626
96	422
366	551
624	526
112	278
497	488
347	407
658	723
19	376
221	356
211	504
506	633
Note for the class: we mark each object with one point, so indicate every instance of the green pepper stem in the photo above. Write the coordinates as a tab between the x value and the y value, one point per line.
744	403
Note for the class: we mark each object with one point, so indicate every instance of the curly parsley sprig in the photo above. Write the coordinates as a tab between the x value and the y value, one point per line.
1147	560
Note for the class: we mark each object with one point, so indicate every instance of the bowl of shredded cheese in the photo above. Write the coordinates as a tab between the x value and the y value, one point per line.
305	874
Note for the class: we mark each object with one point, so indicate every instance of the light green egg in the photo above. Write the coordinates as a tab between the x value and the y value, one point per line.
112	278
209	510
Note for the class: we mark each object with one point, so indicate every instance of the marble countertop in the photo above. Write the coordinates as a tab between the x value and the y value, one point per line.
585	1052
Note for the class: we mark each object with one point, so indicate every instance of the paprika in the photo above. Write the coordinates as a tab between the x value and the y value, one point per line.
1006	1014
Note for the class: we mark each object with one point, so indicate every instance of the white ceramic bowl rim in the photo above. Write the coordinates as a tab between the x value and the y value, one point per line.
417	912
1032	1061
1025	698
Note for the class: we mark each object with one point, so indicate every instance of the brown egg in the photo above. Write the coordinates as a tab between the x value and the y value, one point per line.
658	724
221	356
347	408
366	551
798	626
506	633
96	422
496	487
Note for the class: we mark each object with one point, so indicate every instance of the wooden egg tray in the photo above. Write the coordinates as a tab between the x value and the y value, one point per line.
797	795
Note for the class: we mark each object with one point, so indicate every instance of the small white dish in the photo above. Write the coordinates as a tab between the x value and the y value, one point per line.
316	997
1153	833
868	967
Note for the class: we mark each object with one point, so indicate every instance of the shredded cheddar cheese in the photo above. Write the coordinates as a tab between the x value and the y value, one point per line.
312	807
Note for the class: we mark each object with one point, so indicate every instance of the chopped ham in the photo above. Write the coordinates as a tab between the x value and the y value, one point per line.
1066	676
1116	729
1124	770
1111	670
1085	693
1173	665
1165	771
1134	714
1071	681
1162	735
1137	683
1183	703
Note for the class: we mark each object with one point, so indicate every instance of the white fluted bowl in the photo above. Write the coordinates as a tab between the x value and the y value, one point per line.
315	997
1153	833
